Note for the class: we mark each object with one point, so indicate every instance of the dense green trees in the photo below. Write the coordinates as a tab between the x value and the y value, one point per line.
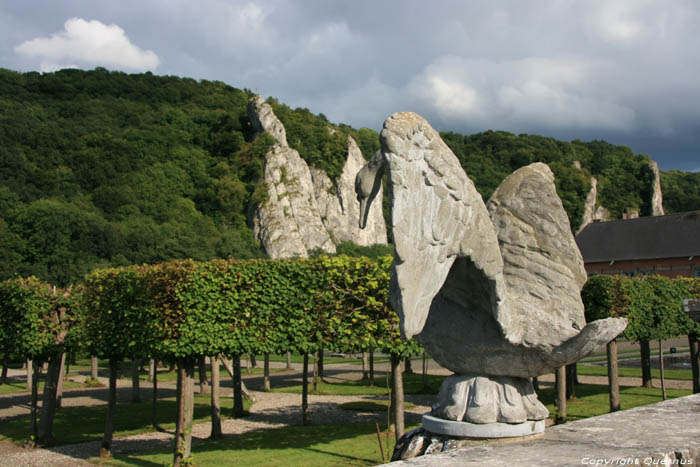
101	168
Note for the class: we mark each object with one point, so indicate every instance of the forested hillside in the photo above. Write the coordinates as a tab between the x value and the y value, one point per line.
101	168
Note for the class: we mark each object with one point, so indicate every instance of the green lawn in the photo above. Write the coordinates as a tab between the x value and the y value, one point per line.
314	445
413	384
12	387
596	370
81	424
355	444
593	399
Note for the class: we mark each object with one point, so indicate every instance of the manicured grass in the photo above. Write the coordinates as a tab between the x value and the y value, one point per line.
412	383
17	387
630	354
314	445
593	399
595	370
81	424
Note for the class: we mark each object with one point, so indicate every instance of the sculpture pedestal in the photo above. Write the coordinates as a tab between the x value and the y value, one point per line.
481	430
438	435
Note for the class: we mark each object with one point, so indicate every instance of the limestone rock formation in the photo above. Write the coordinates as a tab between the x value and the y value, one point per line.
305	209
657	207
288	224
264	119
338	205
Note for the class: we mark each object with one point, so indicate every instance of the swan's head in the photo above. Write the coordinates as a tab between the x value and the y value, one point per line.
367	184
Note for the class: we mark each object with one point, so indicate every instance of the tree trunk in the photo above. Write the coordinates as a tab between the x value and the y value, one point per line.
106	449
151	370
237	390
305	391
397	396
188	398
30	373
135	382
154	395
645	351
613	380
203	382
179	453
93	367
371	367
315	375
35	398
48	401
253	361
694	349
425	372
59	385
289	360
266	372
248	368
215	401
365	364
3	378
320	364
408	364
247	394
560	383
571	381
661	370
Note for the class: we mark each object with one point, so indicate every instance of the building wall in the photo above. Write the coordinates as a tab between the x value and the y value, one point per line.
670	267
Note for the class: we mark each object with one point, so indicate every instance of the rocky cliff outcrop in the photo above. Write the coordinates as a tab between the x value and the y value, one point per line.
305	209
338	205
288	223
657	208
591	213
264	119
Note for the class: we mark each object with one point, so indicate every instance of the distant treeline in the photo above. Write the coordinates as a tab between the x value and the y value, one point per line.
101	168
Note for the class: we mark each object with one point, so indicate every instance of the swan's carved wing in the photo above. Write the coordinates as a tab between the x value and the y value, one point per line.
542	265
437	215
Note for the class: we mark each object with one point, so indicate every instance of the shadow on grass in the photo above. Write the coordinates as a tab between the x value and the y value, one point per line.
347	444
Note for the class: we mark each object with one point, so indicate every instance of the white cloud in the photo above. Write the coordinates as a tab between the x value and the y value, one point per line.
520	93
90	43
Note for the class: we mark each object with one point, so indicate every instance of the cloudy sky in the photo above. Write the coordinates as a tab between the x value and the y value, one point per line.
625	71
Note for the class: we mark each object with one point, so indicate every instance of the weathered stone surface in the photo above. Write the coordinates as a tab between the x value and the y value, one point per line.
493	295
438	216
479	399
649	435
339	207
289	224
589	205
657	207
264	119
602	214
543	267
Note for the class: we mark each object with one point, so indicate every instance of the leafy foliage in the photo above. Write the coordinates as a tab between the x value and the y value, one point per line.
653	305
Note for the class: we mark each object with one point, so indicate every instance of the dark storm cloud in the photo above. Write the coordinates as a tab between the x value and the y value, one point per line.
627	71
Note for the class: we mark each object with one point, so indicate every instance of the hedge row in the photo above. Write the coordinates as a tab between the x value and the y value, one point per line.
653	305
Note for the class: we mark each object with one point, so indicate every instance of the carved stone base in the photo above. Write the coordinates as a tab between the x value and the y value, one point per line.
422	442
488	399
482	430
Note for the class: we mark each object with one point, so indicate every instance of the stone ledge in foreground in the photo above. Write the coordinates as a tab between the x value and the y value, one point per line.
667	433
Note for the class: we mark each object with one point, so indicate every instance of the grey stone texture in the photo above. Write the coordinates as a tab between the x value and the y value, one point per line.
657	207
493	295
264	119
666	433
305	209
289	224
339	207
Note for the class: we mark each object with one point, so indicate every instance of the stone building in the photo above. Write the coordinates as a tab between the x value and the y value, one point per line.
665	245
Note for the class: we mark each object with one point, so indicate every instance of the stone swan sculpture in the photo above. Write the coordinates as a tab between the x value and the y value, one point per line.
493	294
